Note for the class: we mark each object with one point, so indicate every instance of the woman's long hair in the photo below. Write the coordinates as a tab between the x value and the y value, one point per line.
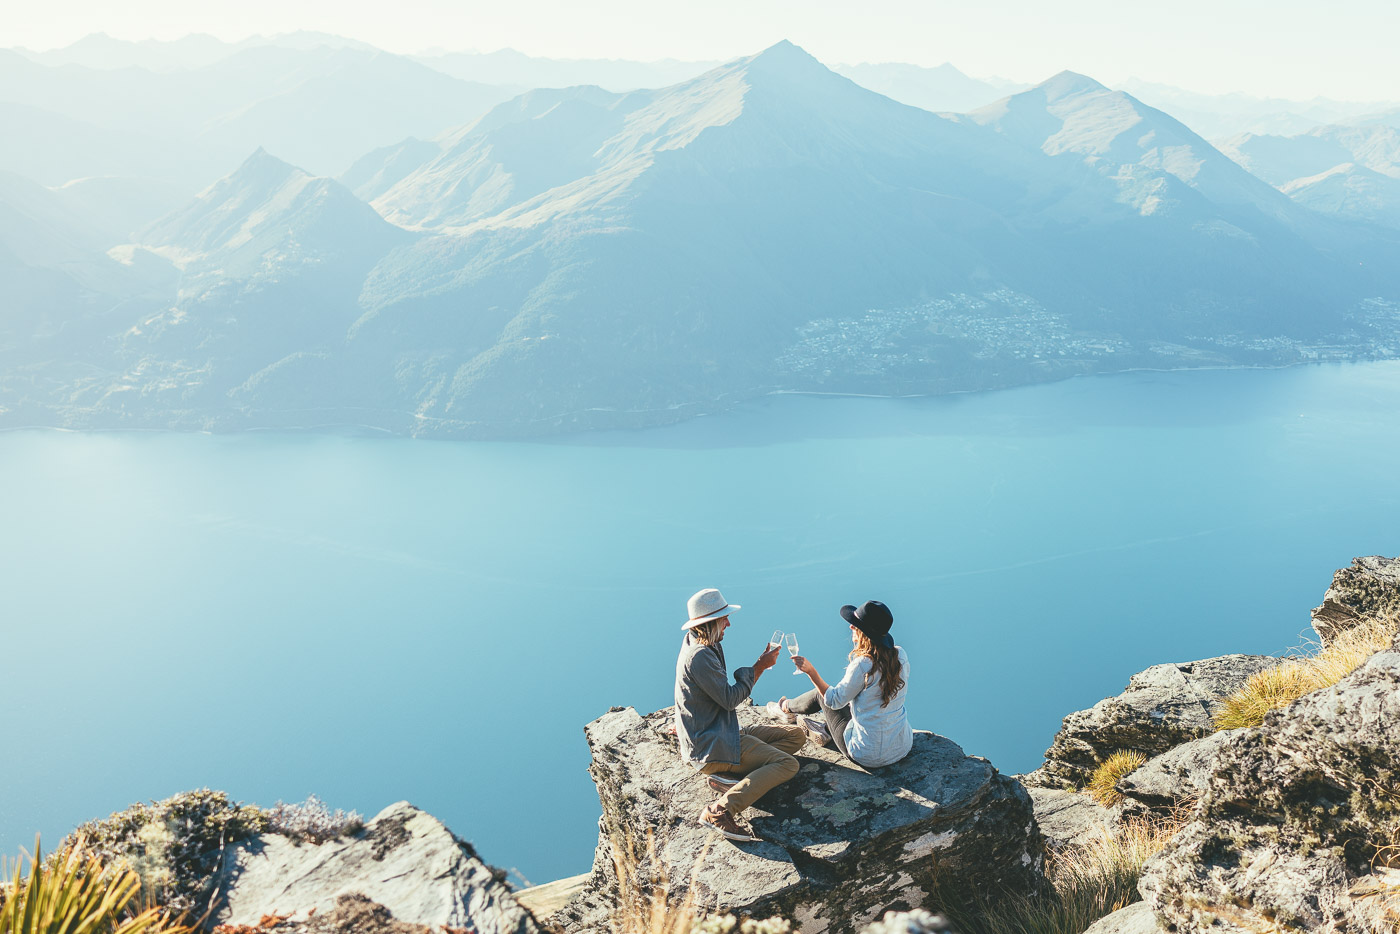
886	663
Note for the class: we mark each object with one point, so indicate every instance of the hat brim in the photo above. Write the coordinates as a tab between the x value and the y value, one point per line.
723	611
848	613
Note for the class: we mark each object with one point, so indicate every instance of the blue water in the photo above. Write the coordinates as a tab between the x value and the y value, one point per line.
375	619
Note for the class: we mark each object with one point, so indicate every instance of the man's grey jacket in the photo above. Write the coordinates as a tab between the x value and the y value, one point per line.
706	726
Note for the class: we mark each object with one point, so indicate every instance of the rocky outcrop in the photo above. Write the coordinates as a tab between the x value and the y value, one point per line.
1162	707
1294	817
1136	918
917	921
1367	589
1068	818
841	846
352	914
403	860
1167	783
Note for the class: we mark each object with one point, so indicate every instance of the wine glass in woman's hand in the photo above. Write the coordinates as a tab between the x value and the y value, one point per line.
791	641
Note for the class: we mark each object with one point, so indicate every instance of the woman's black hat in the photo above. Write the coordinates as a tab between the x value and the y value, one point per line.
872	618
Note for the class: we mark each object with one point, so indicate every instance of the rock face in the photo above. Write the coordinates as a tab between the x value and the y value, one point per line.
1136	918
1172	780
840	847
1293	817
1162	707
1370	587
404	860
1068	818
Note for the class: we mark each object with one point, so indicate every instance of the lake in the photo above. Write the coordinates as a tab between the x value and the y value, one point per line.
373	619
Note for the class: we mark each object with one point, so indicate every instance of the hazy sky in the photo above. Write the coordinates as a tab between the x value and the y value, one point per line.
1288	48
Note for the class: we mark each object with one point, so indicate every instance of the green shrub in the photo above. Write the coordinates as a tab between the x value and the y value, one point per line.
174	845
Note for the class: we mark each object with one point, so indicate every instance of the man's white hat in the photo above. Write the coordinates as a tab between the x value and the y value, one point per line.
707	605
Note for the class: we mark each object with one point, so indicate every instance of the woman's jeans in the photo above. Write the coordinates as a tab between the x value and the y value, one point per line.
836	719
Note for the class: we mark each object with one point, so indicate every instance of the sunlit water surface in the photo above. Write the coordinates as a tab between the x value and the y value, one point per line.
375	619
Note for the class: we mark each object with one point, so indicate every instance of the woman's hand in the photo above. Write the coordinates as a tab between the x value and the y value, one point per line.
804	666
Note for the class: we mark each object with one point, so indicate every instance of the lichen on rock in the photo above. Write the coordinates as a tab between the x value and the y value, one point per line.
841	845
1368	589
1162	706
1293	816
176	845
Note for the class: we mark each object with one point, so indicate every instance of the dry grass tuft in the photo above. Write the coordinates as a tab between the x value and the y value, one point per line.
1091	880
644	904
1102	784
1313	669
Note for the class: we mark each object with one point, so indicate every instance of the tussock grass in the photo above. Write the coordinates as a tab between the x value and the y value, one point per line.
1311	670
1102	784
644	904
75	893
1090	880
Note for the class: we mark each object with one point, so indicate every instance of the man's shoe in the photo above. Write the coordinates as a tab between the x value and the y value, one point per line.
815	729
775	710
723	783
725	823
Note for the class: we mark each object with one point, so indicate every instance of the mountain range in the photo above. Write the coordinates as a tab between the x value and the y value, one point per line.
583	258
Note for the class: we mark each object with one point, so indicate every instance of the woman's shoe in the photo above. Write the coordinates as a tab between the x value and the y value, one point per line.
776	710
817	733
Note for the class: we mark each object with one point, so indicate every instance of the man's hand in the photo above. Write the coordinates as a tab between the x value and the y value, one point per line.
765	661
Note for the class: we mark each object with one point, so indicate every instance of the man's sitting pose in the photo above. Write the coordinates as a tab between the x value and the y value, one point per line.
739	764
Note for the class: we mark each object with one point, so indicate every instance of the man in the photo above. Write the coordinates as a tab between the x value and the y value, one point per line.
739	764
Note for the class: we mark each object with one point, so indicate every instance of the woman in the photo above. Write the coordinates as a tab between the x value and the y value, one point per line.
864	711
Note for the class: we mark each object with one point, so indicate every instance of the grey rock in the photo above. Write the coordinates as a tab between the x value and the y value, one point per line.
917	921
841	846
1292	816
1370	587
404	859
1163	706
1136	918
1068	818
1173	780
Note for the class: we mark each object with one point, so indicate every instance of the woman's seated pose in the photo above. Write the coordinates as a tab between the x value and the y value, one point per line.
862	714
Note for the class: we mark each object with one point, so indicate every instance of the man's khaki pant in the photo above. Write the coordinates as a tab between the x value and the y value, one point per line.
765	760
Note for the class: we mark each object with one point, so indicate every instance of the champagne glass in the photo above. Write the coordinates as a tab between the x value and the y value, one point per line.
775	640
791	641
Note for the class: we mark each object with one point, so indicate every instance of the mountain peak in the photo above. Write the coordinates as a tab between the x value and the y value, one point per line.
786	56
263	163
1067	84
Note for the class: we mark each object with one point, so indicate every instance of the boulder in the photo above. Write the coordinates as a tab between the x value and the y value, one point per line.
1163	706
1174	780
1367	589
1294	817
1136	918
404	860
1068	818
841	845
917	921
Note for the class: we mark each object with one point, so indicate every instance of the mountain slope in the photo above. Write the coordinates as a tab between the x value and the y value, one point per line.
1281	159
940	89
1351	191
271	263
582	258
